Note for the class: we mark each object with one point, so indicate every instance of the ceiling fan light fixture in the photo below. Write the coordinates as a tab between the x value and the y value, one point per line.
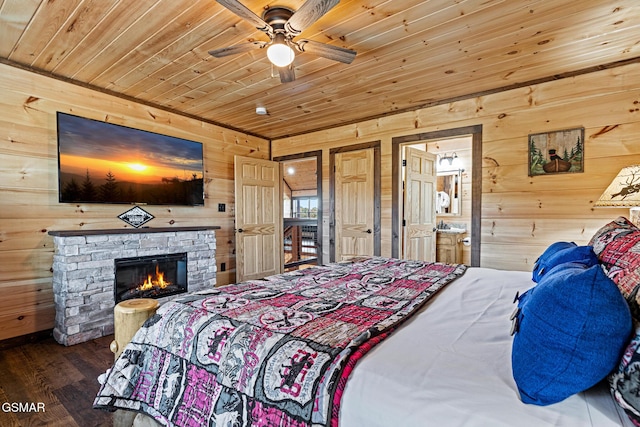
280	53
282	24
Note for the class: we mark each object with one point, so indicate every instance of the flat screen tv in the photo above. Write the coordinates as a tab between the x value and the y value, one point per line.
101	162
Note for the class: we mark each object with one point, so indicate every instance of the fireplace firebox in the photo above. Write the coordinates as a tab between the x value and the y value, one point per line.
150	276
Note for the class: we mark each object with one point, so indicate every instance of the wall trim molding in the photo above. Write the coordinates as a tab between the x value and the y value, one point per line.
516	85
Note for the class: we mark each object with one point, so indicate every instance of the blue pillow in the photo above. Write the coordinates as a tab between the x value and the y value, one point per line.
572	329
561	252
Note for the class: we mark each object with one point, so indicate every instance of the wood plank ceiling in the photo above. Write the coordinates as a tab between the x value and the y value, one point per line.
411	53
300	175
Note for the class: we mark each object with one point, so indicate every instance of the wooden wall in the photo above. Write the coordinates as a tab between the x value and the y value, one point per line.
521	215
29	205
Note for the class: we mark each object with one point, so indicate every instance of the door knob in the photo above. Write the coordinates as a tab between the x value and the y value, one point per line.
368	231
240	230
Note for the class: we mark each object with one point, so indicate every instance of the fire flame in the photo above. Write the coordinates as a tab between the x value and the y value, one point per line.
156	281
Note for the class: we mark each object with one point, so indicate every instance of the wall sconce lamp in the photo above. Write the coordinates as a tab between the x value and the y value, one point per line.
624	191
451	162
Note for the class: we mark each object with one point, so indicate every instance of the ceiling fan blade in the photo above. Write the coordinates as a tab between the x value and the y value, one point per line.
245	13
328	51
239	48
308	13
286	74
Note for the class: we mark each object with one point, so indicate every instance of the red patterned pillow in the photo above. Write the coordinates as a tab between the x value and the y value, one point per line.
625	381
617	246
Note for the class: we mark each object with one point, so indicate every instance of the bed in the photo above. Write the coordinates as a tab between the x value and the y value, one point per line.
445	362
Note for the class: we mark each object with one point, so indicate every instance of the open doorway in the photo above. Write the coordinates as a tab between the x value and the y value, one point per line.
463	209
436	221
302	209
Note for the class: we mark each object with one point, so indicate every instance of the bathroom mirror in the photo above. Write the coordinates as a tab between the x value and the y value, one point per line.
449	193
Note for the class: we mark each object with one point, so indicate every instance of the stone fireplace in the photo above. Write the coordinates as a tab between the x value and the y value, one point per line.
84	272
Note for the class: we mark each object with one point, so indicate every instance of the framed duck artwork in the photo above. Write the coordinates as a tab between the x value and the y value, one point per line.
556	152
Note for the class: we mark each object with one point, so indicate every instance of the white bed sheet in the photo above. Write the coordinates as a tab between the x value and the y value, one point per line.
450	365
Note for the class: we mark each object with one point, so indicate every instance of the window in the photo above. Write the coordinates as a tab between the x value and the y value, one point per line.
305	207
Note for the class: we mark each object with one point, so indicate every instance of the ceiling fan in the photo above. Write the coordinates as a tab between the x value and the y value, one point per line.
282	24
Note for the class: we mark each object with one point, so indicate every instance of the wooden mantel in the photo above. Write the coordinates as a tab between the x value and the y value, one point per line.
70	233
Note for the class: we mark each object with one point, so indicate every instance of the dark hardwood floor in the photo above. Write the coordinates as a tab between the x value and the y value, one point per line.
55	384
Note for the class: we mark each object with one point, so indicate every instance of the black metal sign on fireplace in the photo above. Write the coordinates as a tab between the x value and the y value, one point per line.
150	276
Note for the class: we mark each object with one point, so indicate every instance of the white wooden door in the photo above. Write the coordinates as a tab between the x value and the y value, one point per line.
354	200
258	218
419	235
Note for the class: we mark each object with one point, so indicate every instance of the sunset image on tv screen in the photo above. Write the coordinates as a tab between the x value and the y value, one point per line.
105	163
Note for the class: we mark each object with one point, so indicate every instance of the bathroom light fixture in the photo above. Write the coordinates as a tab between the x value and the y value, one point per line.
448	159
451	162
624	192
280	53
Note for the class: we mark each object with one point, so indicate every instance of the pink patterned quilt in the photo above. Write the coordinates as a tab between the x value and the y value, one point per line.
273	352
